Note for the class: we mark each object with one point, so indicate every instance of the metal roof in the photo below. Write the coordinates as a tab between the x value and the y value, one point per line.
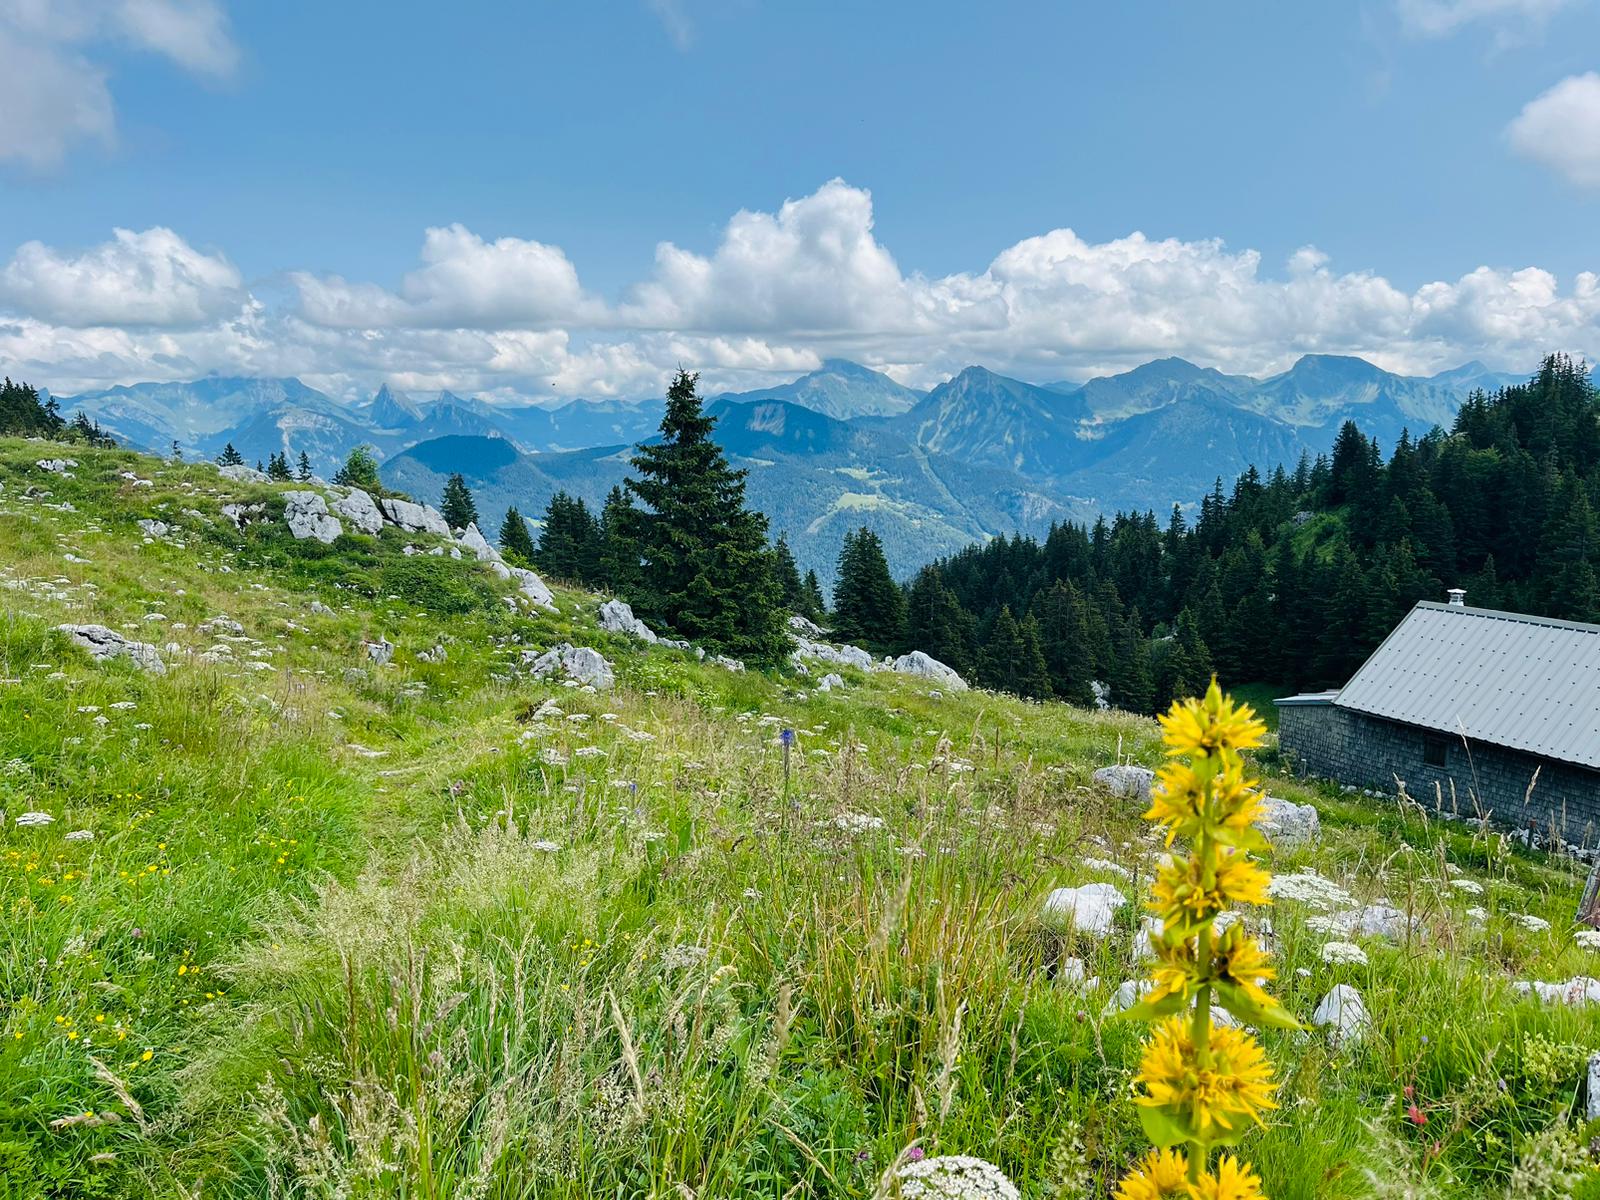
1508	679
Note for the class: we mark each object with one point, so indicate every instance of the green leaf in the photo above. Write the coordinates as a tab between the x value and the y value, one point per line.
1236	1000
1164	1126
1154	1010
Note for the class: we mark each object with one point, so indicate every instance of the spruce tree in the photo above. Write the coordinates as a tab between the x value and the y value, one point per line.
278	468
570	541
230	457
705	568
788	576
303	468
1012	661
868	606
515	540
814	606
619	550
936	623
360	470
456	506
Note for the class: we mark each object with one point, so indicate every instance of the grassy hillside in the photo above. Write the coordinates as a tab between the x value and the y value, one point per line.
300	924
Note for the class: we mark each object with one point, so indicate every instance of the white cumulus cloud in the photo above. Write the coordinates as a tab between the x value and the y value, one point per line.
464	280
776	294
1560	129
153	278
56	96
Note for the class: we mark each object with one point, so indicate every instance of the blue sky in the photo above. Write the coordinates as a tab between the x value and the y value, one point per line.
276	168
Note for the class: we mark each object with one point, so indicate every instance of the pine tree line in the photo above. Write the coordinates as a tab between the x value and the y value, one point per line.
1295	577
24	413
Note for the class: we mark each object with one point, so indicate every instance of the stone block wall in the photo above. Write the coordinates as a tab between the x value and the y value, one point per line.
1476	780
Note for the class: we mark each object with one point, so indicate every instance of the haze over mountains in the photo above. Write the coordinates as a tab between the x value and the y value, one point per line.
842	446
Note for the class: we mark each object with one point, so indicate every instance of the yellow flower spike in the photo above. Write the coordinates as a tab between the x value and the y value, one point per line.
1159	1175
1206	728
1189	893
1213	1102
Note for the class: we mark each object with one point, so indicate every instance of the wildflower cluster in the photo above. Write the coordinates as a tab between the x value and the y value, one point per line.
1204	1084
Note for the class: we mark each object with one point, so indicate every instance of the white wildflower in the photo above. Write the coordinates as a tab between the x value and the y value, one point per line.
1344	954
1107	866
1309	888
81	835
857	822
30	819
547	847
1530	922
1468	886
955	1177
1589	939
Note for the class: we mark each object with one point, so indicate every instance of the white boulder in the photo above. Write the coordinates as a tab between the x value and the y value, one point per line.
151	527
57	466
1287	825
805	628
308	517
103	644
844	656
1574	993
380	652
1343	1014
925	665
413	518
474	540
359	508
1088	909
579	663
617	617
829	682
242	474
1127	780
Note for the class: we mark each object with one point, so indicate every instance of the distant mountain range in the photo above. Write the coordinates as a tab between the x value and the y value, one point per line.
841	446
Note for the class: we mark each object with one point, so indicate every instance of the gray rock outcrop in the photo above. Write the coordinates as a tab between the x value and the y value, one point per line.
308	517
925	665
617	617
580	663
473	540
359	508
381	651
829	682
413	518
57	466
151	527
242	474
844	656
103	643
1127	781
1089	909
1287	825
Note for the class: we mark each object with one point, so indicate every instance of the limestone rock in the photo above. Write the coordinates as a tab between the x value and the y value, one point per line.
617	617
726	663
380	651
1088	909
829	682
413	518
242	474
308	517
1127	780
242	514
1574	993
359	508
925	665
575	662
103	643
1287	825
807	629
1343	1014
154	528
57	466
844	656
1592	1104
474	540
531	586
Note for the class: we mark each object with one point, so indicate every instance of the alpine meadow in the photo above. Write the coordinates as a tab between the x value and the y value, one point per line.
677	600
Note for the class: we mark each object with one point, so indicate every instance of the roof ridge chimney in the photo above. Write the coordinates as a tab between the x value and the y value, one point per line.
1457	597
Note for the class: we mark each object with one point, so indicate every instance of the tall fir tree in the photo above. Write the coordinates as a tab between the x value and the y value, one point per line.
456	505
788	576
619	550
704	566
302	470
814	606
515	540
230	457
570	541
868	606
278	467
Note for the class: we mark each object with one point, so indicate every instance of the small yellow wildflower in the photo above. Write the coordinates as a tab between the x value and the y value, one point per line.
1233	1180
1159	1175
147	1056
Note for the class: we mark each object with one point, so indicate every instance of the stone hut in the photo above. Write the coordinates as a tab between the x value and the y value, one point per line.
1477	712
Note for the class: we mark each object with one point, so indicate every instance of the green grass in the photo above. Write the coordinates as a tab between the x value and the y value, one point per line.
384	932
